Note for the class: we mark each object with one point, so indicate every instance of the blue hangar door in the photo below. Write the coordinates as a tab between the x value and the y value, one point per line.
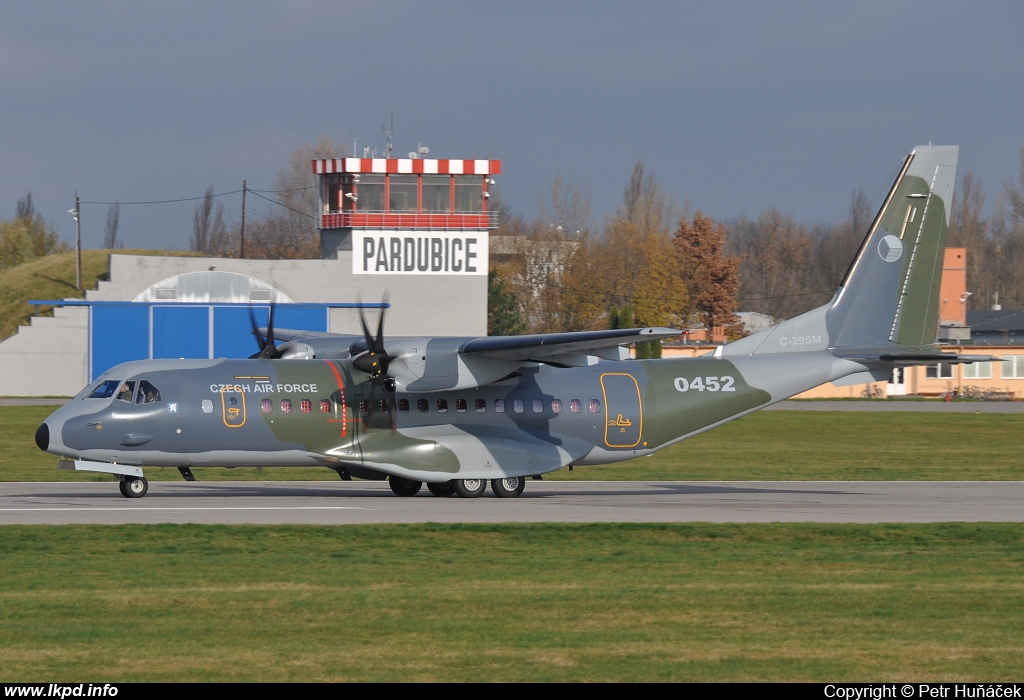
124	332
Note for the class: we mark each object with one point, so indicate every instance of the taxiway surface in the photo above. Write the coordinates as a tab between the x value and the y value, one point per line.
329	503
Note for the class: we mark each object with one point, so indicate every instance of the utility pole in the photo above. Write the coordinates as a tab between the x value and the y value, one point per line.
78	242
242	252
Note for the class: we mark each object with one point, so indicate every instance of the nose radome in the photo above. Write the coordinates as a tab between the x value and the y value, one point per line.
43	436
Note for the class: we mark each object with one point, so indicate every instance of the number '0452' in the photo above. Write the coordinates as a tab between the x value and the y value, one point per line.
705	384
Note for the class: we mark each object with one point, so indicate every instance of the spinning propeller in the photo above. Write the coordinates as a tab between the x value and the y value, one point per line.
374	360
268	350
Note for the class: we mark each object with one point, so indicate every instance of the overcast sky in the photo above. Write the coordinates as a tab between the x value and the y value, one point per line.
734	106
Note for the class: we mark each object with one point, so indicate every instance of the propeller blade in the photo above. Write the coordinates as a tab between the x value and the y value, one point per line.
256	332
375	360
270	351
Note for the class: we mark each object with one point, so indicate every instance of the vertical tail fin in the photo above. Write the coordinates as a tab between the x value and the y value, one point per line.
890	294
889	297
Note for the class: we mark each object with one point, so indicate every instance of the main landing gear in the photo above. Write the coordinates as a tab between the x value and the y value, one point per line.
134	486
509	487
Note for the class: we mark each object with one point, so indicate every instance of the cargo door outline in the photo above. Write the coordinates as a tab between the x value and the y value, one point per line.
623	406
232	405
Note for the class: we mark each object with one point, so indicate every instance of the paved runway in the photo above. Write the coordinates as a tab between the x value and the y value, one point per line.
544	501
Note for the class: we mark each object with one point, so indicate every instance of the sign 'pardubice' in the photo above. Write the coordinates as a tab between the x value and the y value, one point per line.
419	252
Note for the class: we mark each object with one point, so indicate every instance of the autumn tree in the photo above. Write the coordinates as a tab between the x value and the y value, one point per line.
42	237
711	277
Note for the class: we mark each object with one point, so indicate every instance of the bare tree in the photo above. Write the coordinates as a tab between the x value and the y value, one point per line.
208	229
569	209
25	210
289	228
113	221
645	203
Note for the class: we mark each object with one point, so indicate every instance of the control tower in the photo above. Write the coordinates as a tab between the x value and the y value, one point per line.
407	215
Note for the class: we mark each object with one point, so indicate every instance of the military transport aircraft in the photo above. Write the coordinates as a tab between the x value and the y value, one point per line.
459	413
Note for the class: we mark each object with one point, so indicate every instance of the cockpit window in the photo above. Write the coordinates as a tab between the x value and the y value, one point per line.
147	393
126	391
105	389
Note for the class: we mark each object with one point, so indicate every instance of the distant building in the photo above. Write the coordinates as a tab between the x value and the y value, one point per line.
412	229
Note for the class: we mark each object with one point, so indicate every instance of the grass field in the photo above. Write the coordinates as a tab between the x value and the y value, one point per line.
769	445
601	602
511	603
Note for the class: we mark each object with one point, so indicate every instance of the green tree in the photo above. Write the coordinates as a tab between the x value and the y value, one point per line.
503	317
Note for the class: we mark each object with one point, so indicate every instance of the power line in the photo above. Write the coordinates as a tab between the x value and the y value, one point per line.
169	201
302	213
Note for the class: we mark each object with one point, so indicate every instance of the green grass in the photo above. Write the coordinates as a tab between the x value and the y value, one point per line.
512	602
52	277
770	445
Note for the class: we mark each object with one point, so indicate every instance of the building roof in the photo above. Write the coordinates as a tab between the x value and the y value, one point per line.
1002	327
426	166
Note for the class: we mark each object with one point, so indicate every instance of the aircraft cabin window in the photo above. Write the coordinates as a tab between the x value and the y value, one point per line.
556	406
442	405
518	406
105	390
325	405
127	389
267	406
576	406
147	393
403	405
422	405
595	405
207	406
364	406
384	406
480	405
286	405
461	405
499	405
306	405
538	406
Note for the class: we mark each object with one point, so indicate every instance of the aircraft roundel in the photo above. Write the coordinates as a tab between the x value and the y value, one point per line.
890	248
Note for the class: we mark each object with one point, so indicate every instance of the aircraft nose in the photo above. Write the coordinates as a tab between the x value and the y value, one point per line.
43	436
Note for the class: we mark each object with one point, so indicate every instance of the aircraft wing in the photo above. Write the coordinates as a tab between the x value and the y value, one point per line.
555	347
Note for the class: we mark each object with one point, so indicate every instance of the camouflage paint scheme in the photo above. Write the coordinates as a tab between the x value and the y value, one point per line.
882	316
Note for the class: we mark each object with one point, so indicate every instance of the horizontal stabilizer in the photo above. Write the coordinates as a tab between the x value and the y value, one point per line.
919	358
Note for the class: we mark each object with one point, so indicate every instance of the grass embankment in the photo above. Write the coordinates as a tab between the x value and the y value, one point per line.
514	602
52	277
771	445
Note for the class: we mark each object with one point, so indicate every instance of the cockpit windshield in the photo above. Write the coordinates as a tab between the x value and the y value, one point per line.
127	389
105	389
147	393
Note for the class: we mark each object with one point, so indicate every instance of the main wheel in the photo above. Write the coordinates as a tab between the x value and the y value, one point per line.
509	487
445	488
470	488
404	487
134	486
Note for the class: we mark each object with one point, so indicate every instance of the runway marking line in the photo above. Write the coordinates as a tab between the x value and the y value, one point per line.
11	510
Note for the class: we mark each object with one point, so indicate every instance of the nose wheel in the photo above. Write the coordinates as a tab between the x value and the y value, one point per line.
134	486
